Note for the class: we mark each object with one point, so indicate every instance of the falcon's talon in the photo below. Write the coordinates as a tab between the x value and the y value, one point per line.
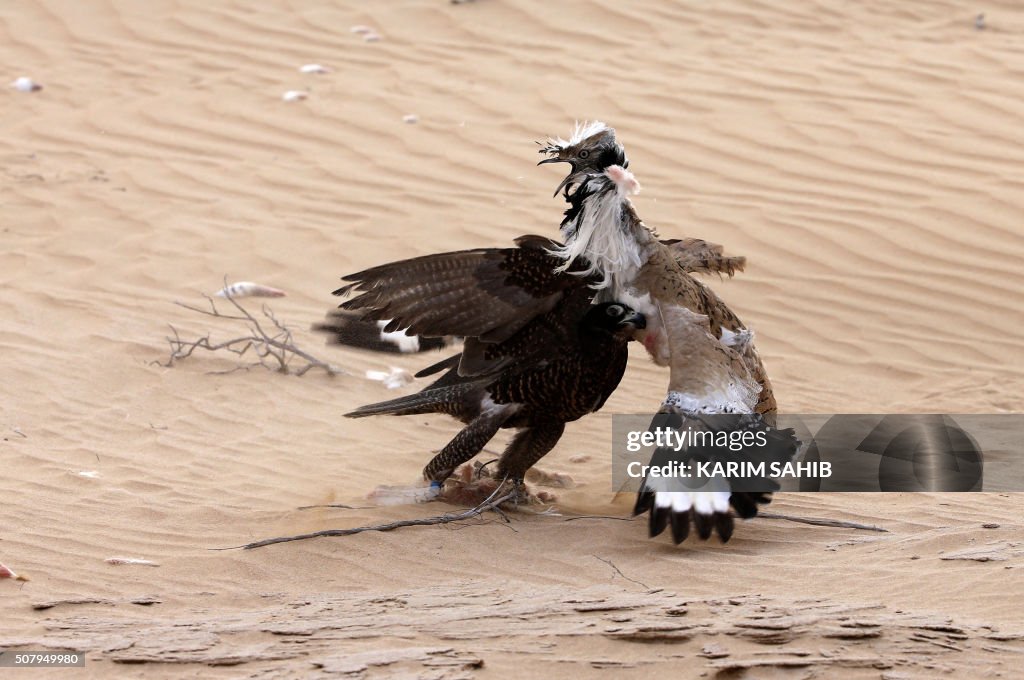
520	494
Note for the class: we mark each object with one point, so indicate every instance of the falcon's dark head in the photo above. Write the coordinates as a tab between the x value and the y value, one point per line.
614	318
591	148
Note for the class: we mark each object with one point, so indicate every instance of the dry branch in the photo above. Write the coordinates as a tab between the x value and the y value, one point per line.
274	349
490	503
816	521
619	572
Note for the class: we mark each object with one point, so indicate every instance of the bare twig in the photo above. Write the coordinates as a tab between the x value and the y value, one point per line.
274	348
576	517
767	515
823	522
490	503
619	572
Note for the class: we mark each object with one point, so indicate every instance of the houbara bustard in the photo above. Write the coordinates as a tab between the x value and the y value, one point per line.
714	365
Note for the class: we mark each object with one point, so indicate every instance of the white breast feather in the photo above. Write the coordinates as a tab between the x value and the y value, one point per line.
599	238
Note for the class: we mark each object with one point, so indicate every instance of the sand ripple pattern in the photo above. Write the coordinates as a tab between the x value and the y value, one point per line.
866	157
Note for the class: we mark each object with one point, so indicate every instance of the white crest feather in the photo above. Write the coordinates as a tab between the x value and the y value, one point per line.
582	130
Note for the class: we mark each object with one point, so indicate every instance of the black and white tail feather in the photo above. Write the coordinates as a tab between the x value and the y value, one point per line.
710	507
351	330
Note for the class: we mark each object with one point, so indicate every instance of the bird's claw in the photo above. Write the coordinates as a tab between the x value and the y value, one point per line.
516	489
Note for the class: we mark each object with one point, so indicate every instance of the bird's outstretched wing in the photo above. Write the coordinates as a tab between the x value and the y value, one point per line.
359	329
508	303
489	293
697	256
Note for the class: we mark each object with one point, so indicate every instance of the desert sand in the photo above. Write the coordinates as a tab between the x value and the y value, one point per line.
867	158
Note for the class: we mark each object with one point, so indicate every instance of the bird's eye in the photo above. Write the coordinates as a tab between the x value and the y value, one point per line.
584	153
614	310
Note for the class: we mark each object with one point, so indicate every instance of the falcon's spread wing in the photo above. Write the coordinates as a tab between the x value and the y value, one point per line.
509	303
487	293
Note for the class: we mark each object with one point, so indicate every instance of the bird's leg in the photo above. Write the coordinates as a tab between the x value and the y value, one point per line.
529	445
463	447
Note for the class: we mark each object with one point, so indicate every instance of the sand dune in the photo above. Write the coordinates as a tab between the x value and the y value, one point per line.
866	159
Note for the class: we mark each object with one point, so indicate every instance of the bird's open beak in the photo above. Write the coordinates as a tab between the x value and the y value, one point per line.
556	159
565	182
634	319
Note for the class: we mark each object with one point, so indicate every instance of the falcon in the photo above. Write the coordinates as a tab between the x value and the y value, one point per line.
549	373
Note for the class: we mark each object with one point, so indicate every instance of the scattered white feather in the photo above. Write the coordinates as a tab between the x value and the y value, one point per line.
403	495
26	84
314	68
7	572
359	29
371	37
248	289
410	118
131	560
392	379
585	129
91	474
294	95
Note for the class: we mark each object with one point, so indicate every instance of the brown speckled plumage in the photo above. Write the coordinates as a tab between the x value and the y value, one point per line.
714	365
670	284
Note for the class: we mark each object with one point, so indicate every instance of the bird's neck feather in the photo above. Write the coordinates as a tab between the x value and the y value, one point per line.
603	228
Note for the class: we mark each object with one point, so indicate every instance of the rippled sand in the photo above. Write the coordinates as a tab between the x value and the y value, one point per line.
865	157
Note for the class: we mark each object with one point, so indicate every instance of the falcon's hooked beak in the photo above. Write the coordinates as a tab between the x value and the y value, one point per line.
634	320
